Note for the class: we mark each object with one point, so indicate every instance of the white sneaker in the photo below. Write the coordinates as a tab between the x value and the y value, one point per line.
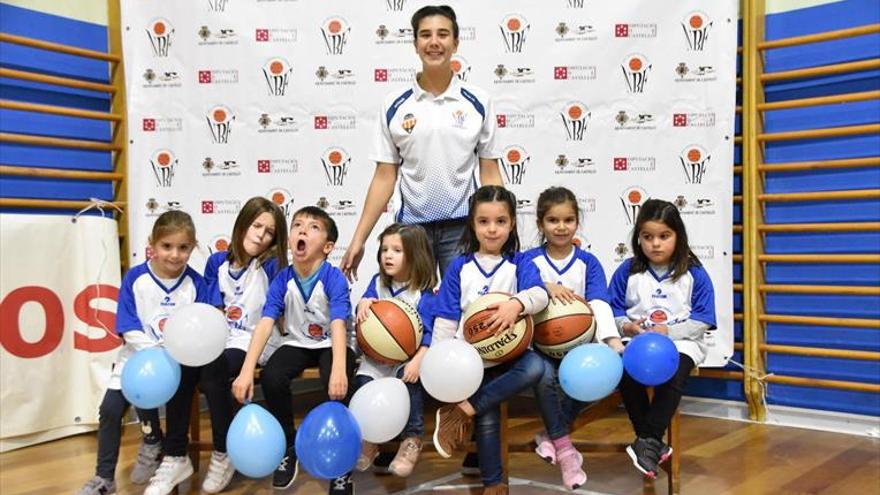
173	471
220	472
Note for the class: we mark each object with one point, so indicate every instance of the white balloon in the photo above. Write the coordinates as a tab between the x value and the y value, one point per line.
451	370
381	408
196	334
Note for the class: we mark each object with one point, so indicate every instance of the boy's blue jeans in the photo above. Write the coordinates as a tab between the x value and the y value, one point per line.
500	383
415	425
558	410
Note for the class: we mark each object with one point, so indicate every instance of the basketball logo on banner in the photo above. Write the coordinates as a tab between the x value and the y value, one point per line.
514	160
514	29
694	159
218	244
276	71
696	30
218	5
159	33
460	67
163	163
635	69
575	116
219	120
284	200
335	161
335	31
394	5
632	200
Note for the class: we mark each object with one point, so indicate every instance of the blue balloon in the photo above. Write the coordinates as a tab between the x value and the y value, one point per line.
328	442
590	372
651	359
150	378
255	442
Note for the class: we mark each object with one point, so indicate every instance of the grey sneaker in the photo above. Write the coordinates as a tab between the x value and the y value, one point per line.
645	455
98	486
148	458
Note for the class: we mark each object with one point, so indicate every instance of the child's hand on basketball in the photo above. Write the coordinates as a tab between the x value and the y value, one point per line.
633	328
243	388
561	293
505	316
338	385
364	308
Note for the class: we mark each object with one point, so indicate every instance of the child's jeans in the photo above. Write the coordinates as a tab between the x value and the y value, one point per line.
500	383
558	410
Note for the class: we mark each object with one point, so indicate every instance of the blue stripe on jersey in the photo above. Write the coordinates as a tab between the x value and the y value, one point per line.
474	101
394	106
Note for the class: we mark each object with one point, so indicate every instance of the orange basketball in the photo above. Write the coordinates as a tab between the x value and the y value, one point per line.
509	345
696	22
514	24
219	115
276	67
392	332
455	65
562	327
575	112
334	26
634	197
694	155
513	156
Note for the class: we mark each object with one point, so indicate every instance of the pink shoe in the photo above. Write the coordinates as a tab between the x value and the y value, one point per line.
545	448
570	463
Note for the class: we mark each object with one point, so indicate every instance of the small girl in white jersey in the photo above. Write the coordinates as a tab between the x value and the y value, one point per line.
149	293
567	270
406	272
663	288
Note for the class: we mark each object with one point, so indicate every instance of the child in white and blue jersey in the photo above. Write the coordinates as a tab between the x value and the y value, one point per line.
406	272
149	294
238	280
493	263
567	271
312	296
663	288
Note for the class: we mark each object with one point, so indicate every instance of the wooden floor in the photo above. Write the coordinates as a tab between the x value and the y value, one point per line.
719	457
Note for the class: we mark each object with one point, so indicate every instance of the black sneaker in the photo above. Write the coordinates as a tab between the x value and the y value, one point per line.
470	466
285	473
645	454
381	463
665	453
342	485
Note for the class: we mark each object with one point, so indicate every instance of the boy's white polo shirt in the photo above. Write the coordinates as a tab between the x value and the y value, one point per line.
437	140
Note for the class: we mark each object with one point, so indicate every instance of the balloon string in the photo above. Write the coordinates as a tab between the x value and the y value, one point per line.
761	378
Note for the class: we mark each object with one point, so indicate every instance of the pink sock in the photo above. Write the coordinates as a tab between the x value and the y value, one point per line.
562	443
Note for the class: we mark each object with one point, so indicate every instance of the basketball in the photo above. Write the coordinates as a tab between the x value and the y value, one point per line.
508	345
391	333
562	327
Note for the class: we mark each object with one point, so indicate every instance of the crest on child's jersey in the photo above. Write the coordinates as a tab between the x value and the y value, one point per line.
316	331
658	316
236	316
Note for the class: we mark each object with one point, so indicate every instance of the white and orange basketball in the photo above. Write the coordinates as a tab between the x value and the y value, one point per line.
391	333
509	345
562	327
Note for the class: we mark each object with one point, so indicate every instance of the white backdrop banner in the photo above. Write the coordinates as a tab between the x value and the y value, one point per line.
59	283
619	101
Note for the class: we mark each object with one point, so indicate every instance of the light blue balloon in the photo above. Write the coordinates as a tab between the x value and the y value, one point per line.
651	359
255	442
328	442
150	378
590	372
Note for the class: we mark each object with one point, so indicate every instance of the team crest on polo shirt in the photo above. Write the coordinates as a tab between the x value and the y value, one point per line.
658	316
458	118
409	123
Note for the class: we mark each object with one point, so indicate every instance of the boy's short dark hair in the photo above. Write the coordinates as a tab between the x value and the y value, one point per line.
321	216
431	10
